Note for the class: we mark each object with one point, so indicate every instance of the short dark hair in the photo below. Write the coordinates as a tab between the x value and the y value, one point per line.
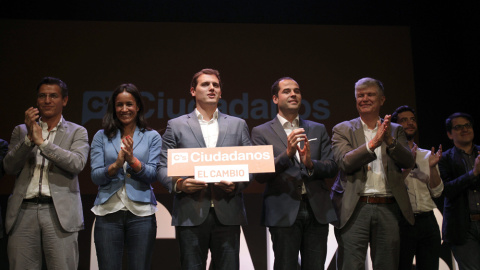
399	110
111	124
368	82
54	81
448	122
276	87
208	71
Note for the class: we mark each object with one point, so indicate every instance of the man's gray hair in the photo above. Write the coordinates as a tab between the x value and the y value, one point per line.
369	82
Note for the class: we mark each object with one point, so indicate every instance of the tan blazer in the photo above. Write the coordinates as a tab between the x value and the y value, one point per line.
67	155
351	155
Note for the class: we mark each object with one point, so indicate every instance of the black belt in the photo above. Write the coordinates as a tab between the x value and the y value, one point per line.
374	199
423	214
39	200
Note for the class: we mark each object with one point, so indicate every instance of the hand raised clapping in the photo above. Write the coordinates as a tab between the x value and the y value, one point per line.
435	157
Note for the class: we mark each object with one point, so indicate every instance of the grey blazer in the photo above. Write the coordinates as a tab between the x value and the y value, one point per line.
67	156
3	152
352	157
192	209
283	191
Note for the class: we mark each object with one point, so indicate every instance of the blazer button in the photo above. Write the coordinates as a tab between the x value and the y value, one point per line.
128	175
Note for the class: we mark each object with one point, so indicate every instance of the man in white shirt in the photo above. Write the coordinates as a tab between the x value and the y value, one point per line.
296	202
205	216
44	212
423	182
369	194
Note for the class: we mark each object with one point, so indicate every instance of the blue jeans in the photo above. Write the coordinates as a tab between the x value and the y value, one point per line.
122	228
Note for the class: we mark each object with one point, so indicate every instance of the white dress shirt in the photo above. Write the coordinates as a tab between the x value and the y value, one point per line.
39	184
289	127
209	128
418	186
376	179
209	132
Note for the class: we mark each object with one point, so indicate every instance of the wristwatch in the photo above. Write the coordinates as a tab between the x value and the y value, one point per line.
393	144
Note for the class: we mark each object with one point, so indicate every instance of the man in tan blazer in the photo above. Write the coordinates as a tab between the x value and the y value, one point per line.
369	194
44	213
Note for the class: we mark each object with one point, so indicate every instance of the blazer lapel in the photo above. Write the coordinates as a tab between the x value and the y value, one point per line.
117	141
358	132
60	133
62	129
303	124
360	140
137	137
384	158
277	127
384	155
196	129
222	128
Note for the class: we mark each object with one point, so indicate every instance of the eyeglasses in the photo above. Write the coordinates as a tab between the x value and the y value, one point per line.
460	127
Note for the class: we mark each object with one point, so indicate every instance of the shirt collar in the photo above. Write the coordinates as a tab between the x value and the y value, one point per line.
294	124
45	126
200	116
463	152
365	127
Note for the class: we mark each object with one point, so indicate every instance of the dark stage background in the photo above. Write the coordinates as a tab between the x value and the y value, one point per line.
426	55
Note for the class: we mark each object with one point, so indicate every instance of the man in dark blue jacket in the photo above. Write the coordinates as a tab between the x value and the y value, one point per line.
460	170
296	203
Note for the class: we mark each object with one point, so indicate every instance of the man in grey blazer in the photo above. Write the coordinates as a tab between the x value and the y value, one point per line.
3	152
44	212
3	238
296	203
369	194
206	216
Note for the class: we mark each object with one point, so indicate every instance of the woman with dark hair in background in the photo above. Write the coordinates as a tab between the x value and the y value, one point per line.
124	159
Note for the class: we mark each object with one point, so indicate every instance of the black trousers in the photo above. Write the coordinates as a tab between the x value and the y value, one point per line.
421	240
222	240
306	236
